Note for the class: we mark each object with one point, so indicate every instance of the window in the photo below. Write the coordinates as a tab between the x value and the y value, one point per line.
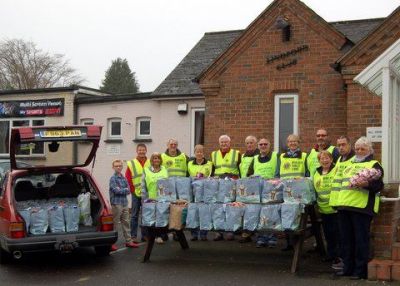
197	133
114	128
87	121
143	127
5	129
286	119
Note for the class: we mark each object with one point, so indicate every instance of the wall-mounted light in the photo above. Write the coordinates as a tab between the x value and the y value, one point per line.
182	108
282	23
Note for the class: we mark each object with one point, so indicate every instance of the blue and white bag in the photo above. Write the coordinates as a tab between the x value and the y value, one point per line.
192	218
166	191
291	215
39	221
198	190
26	215
251	216
56	219
298	190
210	190
218	216
248	190
149	213
270	217
184	188
71	215
226	190
162	214
205	216
272	191
234	217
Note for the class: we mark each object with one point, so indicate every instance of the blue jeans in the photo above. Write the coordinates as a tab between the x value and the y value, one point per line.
136	206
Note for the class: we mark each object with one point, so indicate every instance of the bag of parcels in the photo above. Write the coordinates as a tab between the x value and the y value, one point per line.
226	191
210	190
205	216
39	221
192	218
149	213
162	214
198	190
270	217
84	206
234	216
56	219
71	215
184	188
251	216
298	190
166	191
26	215
272	191
177	214
291	215
248	190
218	216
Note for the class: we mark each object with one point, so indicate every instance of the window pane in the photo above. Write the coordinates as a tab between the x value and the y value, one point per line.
4	136
144	127
199	127
115	128
39	146
37	122
18	123
286	113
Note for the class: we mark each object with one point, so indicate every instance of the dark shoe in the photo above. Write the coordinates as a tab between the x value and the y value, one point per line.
355	277
175	237
245	239
218	238
341	274
327	259
287	248
260	244
230	237
194	238
204	238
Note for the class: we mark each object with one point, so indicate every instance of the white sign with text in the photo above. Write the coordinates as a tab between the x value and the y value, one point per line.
374	134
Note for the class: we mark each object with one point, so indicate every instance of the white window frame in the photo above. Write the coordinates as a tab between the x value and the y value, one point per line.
109	123
193	127
87	121
30	120
278	97
138	131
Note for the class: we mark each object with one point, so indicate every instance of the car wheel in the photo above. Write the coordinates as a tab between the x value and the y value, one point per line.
5	257
102	251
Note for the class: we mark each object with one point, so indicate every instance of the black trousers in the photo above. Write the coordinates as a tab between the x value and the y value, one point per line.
330	225
355	232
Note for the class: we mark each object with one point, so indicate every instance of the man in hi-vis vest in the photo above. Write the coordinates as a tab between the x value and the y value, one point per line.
247	157
133	174
174	160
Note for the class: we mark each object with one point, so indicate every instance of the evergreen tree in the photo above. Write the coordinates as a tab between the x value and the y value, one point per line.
119	78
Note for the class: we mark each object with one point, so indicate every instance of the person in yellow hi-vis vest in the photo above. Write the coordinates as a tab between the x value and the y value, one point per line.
133	174
323	143
247	157
358	201
174	160
226	162
323	182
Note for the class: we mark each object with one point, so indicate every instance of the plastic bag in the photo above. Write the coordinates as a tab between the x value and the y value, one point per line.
26	215
205	216
251	216
166	191
56	219
39	221
71	215
248	190
226	191
84	206
177	215
270	217
162	214
184	189
198	190
218	216
272	191
192	218
291	215
210	190
299	190
149	213
234	216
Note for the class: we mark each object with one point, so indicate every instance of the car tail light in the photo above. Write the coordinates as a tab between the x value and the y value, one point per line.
17	230
107	223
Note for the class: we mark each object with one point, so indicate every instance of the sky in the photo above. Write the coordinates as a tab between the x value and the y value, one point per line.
153	35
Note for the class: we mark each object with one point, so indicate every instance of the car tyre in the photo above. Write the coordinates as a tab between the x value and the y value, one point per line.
103	250
5	257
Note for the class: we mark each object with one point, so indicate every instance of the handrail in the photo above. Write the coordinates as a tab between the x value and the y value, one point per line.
385	199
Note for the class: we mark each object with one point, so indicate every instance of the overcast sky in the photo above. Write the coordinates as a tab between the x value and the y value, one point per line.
153	35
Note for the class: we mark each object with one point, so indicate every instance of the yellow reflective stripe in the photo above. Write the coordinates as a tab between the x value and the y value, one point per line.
324	192
292	174
323	200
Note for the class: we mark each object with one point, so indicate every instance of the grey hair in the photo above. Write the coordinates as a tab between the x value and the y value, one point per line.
224	137
251	137
366	142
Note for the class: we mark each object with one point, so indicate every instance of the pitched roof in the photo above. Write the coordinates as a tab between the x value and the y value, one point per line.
180	81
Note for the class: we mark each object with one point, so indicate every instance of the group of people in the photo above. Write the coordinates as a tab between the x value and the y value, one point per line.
346	209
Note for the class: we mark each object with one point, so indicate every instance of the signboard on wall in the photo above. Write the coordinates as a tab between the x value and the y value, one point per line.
29	108
374	134
113	149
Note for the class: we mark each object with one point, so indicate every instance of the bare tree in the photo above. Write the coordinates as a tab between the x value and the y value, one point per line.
23	66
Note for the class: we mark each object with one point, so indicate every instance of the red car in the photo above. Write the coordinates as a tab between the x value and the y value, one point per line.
56	205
